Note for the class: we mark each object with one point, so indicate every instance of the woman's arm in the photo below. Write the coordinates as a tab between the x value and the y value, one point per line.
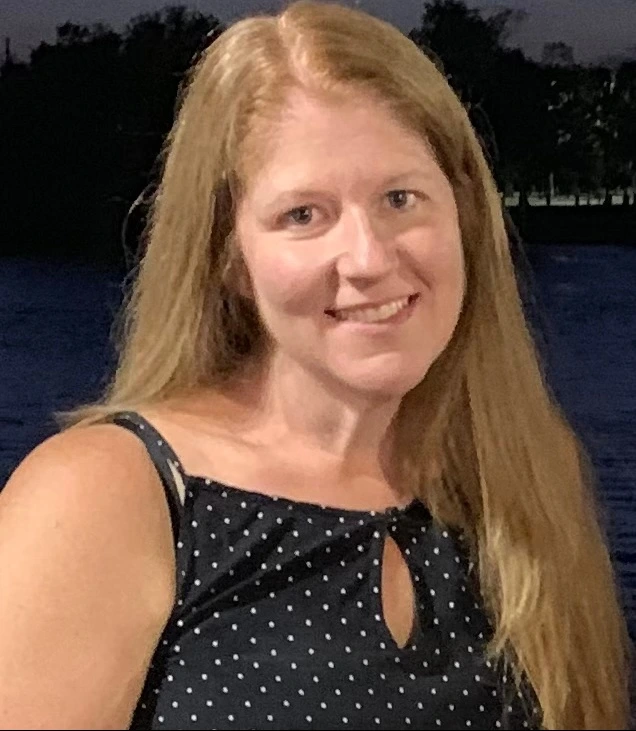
86	581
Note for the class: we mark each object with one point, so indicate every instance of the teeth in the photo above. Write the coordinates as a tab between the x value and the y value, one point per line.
374	314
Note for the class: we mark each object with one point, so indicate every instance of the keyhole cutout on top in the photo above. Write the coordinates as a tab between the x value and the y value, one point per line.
398	594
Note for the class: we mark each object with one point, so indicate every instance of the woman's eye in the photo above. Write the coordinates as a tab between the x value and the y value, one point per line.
301	216
400	198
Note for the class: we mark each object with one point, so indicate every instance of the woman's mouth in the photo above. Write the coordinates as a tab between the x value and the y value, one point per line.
388	312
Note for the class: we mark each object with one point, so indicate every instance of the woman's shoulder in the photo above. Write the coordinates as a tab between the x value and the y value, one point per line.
86	566
99	459
89	483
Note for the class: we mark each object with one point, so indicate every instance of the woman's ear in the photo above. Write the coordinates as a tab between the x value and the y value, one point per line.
243	279
236	277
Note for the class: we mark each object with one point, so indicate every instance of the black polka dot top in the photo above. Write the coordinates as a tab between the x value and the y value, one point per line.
278	620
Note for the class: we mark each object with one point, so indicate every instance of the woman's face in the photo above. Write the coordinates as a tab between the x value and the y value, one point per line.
350	234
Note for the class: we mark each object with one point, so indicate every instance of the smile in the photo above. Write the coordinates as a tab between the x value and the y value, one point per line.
373	314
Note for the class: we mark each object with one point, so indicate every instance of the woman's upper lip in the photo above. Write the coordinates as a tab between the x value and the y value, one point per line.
371	305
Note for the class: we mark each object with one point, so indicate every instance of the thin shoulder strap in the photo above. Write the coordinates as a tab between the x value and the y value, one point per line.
164	459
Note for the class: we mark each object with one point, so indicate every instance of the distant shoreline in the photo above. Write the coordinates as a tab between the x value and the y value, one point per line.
536	224
582	225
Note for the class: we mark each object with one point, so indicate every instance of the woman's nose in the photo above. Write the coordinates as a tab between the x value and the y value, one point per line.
367	250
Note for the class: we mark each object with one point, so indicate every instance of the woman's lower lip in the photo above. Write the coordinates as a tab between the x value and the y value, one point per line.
400	317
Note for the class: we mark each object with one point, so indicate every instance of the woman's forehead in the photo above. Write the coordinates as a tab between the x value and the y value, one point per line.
314	139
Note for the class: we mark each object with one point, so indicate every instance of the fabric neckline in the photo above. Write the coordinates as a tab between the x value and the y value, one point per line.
291	504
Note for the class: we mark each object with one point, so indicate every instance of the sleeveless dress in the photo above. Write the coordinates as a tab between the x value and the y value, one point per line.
278	621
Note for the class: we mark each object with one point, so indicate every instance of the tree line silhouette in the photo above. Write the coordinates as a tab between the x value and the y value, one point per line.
82	122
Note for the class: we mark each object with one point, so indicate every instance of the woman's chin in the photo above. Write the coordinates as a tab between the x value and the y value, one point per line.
381	385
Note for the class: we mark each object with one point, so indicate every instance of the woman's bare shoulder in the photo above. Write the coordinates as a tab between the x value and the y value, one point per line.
97	462
86	580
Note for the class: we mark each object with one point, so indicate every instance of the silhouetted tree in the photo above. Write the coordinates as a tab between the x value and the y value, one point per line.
83	124
466	42
557	54
624	125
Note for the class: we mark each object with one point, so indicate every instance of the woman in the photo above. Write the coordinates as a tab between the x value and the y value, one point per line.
376	516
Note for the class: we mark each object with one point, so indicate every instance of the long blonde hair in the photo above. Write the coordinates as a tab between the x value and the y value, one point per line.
482	440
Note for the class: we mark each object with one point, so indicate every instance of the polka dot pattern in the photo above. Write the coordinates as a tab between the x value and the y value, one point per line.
279	620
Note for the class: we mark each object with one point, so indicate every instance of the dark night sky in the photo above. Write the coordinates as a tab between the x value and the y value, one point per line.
594	27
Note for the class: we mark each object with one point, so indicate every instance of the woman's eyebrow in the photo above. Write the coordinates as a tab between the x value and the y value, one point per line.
291	195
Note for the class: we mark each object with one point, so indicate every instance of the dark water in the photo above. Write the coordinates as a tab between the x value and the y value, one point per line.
54	352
